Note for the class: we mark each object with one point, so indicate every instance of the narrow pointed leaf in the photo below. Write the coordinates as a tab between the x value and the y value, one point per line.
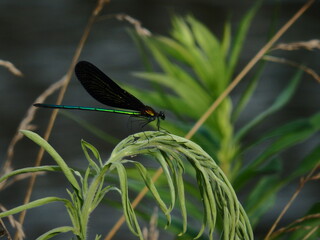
280	101
54	232
49	149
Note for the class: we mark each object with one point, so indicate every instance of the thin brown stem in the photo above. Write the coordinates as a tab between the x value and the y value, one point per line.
293	64
309	45
294	225
303	181
26	124
4	232
311	232
11	68
47	134
125	17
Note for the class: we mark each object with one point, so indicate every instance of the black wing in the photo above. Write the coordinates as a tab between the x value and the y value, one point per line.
103	89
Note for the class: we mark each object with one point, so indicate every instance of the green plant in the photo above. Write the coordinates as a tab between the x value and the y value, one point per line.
196	67
218	197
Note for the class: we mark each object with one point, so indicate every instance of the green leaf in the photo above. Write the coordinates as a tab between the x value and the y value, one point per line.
85	181
262	198
181	197
208	66
247	94
33	204
240	37
184	92
92	196
49	149
263	195
280	101
306	164
30	170
98	237
101	194
288	136
127	207
294	126
174	49
181	32
73	209
151	186
226	40
177	72
212	50
270	166
87	146
163	163
217	194
54	232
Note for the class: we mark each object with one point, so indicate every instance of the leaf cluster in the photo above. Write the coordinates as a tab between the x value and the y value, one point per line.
188	70
218	198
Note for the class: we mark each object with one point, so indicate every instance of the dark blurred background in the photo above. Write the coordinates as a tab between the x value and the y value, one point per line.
40	38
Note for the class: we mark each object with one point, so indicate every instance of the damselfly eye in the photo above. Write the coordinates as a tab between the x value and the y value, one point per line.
162	116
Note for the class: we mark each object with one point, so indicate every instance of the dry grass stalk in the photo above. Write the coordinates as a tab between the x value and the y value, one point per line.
26	124
99	6
7	183
134	22
309	45
293	64
137	24
152	233
311	232
3	231
14	223
15	71
310	177
300	220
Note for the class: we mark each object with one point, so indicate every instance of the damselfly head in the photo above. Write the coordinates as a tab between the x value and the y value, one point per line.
161	115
